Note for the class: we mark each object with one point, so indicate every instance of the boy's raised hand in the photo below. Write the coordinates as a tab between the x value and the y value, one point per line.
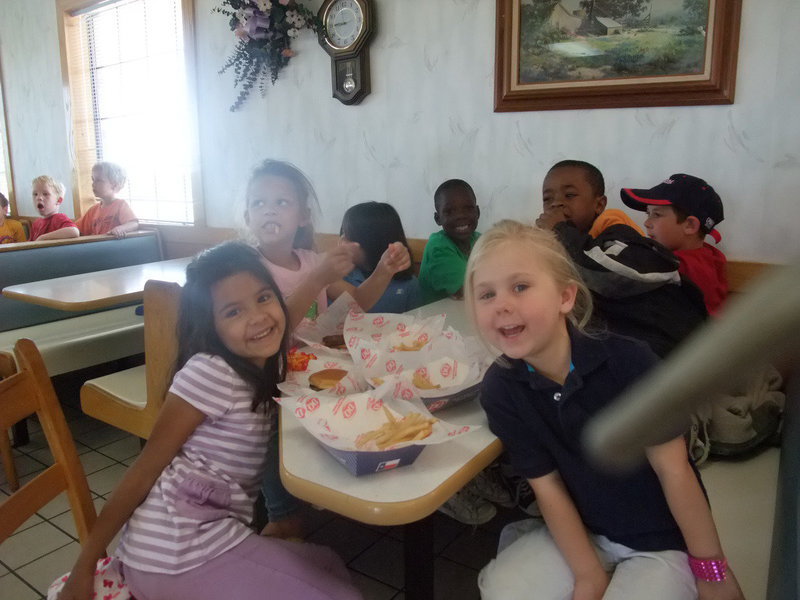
550	217
395	258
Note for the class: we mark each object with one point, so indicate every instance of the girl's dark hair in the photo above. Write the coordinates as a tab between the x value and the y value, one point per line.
375	225
304	237
196	331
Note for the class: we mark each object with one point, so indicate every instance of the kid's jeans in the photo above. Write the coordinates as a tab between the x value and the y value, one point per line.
258	568
279	502
533	567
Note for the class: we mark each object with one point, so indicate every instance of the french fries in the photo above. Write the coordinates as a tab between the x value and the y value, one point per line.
422	382
410	428
410	347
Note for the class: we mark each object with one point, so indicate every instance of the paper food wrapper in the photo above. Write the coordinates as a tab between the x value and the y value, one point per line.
330	322
297	384
337	421
420	356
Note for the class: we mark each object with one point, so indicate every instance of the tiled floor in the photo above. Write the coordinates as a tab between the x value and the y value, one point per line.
742	495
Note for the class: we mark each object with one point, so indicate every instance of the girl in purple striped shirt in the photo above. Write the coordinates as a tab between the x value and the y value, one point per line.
186	503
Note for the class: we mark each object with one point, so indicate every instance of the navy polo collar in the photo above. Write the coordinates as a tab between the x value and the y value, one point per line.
587	354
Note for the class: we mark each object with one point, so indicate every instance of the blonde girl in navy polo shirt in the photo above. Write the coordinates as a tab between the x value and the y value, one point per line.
605	535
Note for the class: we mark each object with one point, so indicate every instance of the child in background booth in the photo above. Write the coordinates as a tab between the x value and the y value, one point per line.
374	226
681	212
456	211
111	215
188	499
48	194
278	216
11	231
605	535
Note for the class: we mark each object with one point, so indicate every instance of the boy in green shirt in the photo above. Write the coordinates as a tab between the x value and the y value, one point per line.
444	261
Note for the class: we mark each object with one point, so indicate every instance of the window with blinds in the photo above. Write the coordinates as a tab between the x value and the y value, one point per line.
128	88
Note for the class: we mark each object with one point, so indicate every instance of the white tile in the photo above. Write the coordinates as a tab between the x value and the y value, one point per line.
101	437
12	588
104	481
26	546
23	465
123	449
3	571
43	455
94	461
43	571
742	496
66	521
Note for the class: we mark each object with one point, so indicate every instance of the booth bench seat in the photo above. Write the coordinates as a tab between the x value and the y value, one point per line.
73	340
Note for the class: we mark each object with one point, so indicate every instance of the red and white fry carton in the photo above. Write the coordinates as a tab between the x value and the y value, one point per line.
433	362
338	421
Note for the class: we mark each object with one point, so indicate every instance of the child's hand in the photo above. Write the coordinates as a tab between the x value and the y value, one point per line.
336	263
395	258
118	232
551	217
720	590
79	586
591	587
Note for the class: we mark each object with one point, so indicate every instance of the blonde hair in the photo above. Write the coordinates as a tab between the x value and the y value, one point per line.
113	172
544	245
54	185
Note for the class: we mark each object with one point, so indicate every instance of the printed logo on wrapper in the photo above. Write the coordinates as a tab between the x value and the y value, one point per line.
377	336
312	404
439	404
351	343
349	410
446	370
300	412
340	389
401	327
379	321
365	353
356	315
331	364
391	366
374	403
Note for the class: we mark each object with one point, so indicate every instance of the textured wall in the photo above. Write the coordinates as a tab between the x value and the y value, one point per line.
430	118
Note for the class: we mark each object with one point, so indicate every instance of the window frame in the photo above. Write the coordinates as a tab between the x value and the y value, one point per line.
5	144
68	13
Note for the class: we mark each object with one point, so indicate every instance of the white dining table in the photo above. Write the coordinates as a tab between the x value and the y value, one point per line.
98	289
405	496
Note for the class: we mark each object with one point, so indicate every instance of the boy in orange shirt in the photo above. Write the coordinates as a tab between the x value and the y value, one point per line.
635	284
11	231
48	194
112	215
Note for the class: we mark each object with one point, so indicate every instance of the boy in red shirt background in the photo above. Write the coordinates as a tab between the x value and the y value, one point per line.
681	212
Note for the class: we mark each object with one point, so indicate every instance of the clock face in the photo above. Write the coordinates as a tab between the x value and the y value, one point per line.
344	22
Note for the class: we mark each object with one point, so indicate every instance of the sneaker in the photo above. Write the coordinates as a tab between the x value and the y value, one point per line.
524	498
489	486
467	508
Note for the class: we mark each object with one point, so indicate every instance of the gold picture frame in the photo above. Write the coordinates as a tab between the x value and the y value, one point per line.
523	73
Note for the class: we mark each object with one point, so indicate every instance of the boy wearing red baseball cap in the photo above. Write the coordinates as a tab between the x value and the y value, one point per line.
681	212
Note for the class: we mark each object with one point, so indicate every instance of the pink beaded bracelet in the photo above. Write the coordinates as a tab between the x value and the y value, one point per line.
709	569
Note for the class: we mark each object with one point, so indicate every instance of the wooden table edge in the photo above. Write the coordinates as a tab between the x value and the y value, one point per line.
389	513
73	306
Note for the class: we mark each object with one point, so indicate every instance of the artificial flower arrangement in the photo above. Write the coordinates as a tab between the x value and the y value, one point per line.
265	29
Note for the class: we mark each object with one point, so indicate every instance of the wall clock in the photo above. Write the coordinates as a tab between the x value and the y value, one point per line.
346	28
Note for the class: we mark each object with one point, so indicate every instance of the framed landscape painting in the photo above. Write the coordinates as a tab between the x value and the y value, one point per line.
568	54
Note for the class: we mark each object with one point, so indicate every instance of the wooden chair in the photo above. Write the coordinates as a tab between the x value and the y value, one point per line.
7	368
131	399
27	392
